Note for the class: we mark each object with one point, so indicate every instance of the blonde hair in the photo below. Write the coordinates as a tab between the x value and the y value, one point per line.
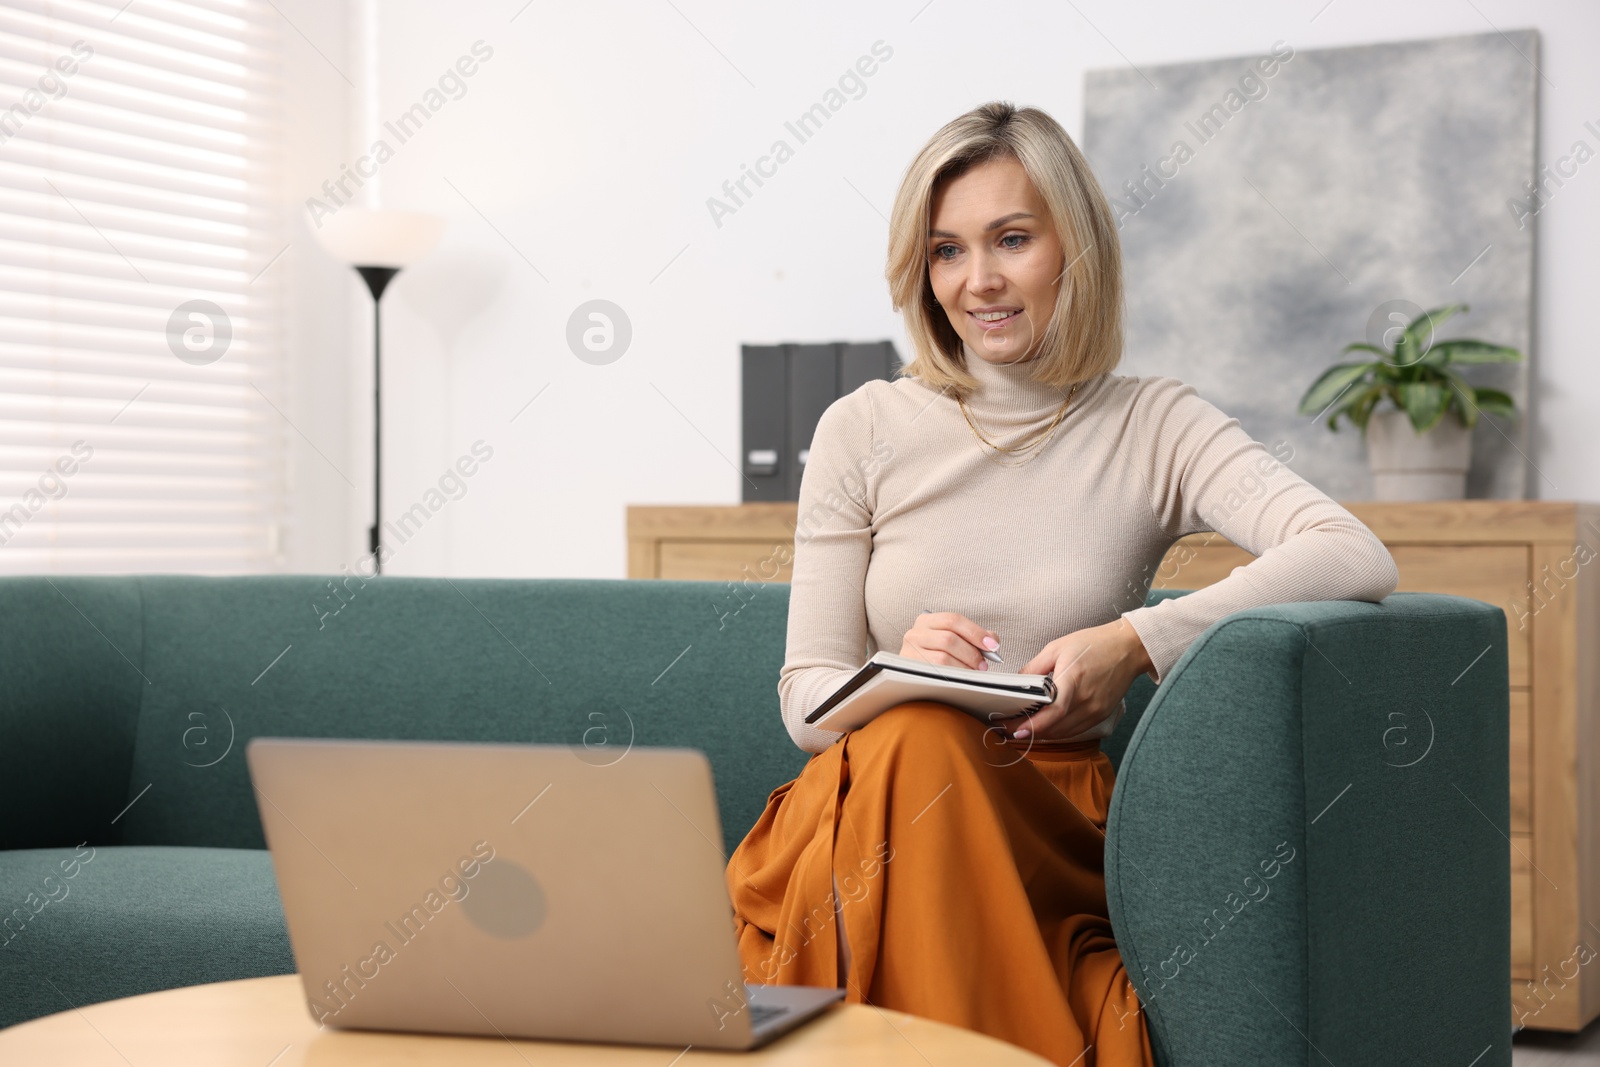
1084	335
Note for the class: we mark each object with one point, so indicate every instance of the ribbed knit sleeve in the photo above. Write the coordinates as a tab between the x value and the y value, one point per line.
827	629
1204	472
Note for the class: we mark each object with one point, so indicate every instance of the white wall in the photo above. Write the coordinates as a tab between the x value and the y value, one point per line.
578	163
319	384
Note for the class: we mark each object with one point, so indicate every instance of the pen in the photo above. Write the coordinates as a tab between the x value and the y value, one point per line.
992	657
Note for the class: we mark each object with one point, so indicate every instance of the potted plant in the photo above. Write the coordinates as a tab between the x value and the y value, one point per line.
1414	451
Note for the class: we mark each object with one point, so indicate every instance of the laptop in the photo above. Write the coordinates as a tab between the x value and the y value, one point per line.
513	891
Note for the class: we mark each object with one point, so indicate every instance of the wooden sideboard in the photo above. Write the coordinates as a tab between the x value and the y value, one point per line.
1535	559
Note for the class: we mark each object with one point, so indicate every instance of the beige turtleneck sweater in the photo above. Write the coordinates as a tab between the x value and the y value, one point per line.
902	510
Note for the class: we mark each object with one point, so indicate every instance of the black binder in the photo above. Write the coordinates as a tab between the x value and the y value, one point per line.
786	388
764	438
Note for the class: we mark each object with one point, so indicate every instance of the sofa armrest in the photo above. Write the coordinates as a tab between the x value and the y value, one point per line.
1307	851
70	692
1139	694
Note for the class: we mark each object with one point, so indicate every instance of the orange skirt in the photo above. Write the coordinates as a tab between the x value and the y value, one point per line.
967	873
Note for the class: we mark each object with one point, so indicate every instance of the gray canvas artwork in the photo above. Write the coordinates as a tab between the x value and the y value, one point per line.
1273	208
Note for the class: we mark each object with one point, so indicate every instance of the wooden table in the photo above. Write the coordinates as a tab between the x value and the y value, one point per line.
259	1022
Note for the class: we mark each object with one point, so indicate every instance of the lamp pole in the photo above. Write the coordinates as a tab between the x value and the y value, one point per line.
377	279
378	244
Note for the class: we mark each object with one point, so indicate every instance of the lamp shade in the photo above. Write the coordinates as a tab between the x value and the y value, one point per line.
365	237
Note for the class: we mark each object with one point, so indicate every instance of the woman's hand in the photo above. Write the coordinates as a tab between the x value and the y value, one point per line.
950	639
1093	669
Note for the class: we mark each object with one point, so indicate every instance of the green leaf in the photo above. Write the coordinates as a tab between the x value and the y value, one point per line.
1361	346
1418	370
1361	406
1332	382
1465	351
1463	397
1350	404
1496	402
1423	329
1424	402
1434	357
1404	356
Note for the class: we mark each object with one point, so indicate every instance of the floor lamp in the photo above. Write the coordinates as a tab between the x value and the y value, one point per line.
378	244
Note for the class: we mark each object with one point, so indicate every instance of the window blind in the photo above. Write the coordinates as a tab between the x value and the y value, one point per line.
140	370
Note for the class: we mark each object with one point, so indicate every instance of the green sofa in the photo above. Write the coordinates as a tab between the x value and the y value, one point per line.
1305	855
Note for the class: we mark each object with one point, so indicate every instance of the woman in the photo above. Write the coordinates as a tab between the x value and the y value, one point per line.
1007	492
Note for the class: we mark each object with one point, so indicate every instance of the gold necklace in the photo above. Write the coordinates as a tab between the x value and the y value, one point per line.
1036	444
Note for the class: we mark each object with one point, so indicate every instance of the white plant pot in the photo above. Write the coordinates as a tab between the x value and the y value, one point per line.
1407	465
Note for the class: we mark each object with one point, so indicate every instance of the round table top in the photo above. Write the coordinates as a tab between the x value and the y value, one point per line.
263	1022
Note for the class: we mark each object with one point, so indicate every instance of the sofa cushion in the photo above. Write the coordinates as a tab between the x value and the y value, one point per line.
90	924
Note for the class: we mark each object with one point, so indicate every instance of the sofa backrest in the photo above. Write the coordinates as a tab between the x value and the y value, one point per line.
129	699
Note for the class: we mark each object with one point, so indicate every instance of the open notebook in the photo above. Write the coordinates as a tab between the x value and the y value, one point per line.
888	679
